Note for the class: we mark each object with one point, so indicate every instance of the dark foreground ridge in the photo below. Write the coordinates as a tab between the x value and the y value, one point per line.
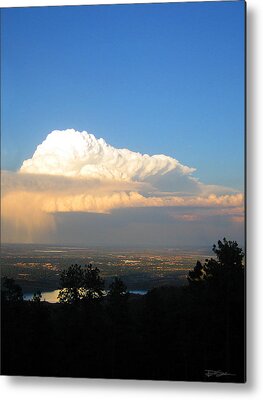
190	333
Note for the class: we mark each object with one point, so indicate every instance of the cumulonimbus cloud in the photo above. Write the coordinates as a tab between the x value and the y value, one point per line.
73	171
80	154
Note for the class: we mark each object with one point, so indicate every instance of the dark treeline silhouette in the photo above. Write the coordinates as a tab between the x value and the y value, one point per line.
171	333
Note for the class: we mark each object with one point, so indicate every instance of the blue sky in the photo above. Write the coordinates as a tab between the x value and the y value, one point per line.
160	78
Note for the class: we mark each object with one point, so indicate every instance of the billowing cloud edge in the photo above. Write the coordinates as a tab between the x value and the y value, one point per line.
80	154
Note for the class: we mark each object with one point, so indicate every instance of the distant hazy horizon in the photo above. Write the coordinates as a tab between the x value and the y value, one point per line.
38	267
105	246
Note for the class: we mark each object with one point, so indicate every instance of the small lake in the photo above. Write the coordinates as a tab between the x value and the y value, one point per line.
52	296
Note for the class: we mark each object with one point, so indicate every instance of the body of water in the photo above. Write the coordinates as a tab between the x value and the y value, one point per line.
52	296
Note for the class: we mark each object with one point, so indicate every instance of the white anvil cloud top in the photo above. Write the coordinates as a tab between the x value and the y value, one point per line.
80	154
